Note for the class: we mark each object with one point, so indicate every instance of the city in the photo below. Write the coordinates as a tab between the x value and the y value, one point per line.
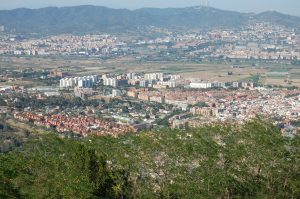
258	41
161	95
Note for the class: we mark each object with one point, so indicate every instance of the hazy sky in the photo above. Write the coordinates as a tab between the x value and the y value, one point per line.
285	6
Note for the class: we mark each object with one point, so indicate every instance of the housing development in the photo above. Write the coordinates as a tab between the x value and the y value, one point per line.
126	103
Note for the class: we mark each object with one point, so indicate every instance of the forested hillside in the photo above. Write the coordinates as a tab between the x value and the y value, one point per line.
89	19
253	161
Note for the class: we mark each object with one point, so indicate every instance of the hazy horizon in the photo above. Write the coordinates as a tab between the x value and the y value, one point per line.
256	6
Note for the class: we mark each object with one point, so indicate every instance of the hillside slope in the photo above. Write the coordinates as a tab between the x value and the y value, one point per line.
254	161
85	19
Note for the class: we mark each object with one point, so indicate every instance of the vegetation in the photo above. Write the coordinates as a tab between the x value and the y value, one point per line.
26	101
2	101
86	19
254	161
10	138
201	104
296	62
165	121
254	78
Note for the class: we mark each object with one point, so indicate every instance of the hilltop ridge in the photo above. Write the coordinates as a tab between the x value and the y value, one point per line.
88	18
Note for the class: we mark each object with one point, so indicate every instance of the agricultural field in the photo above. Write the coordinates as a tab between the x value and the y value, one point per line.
284	75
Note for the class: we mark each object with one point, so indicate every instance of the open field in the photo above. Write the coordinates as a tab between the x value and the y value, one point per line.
26	83
269	74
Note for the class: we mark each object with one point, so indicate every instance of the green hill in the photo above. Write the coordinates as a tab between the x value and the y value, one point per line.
253	161
87	19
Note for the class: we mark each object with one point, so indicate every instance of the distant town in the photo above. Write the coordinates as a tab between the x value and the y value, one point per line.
255	41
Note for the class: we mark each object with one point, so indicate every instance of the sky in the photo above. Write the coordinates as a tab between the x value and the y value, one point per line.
286	6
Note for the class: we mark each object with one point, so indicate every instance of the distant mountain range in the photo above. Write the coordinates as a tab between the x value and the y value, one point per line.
84	19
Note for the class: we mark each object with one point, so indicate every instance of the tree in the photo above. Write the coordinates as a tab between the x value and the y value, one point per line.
8	190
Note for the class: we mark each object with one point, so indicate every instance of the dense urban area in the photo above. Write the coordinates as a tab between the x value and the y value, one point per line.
119	104
258	41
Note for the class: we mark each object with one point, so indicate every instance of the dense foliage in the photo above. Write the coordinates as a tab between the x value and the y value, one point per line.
62	102
2	102
253	161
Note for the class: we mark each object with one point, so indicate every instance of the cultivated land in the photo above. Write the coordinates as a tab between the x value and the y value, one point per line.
275	74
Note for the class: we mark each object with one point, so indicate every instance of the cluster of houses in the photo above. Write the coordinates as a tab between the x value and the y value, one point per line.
82	125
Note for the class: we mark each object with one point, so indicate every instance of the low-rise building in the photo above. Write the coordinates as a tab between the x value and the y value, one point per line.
133	94
144	96
205	111
157	98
